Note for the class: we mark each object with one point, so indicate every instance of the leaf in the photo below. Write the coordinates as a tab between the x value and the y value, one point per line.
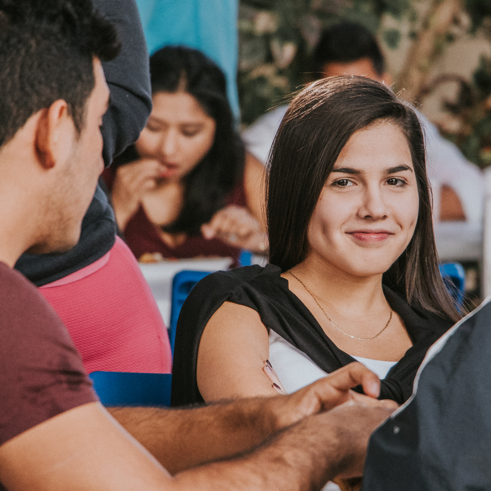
392	38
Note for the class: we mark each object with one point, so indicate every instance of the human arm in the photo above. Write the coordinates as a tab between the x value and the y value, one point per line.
232	351
240	226
226	428
130	184
95	453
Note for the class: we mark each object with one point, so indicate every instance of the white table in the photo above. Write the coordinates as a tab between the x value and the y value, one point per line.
160	275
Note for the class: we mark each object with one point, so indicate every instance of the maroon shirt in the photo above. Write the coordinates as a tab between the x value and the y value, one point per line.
143	236
41	373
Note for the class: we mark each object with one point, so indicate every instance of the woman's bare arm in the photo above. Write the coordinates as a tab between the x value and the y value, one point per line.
232	353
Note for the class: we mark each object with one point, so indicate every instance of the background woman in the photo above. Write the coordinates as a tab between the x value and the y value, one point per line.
353	273
185	188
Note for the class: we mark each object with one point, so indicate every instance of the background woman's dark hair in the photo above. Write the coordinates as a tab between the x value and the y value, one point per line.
316	127
182	69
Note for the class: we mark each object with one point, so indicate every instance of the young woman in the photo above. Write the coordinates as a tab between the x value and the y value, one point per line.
183	189
353	271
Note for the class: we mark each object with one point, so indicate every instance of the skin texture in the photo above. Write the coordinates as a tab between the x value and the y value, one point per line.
62	168
450	205
176	138
95	453
364	219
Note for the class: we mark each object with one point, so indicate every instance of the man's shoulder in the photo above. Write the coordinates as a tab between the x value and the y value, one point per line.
19	297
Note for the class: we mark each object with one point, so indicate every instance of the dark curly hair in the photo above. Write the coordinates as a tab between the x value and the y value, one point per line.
46	53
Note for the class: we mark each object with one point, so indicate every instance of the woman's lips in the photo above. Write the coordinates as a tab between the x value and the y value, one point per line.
168	170
369	237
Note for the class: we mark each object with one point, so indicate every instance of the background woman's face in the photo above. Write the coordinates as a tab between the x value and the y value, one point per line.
367	211
178	134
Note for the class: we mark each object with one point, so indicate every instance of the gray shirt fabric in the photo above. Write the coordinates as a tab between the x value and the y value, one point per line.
441	438
128	79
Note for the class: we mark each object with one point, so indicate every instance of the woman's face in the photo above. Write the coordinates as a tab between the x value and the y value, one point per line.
368	208
178	134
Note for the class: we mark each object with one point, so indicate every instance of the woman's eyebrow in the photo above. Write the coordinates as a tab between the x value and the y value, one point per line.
399	168
390	170
347	170
192	125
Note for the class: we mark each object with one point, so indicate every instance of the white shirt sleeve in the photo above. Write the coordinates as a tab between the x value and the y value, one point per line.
447	166
259	137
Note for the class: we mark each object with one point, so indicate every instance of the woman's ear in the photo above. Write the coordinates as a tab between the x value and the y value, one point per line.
54	134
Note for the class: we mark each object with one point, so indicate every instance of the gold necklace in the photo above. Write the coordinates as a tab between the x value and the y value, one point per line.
329	319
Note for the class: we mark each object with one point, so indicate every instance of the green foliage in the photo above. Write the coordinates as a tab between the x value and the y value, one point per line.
392	37
479	11
472	109
277	38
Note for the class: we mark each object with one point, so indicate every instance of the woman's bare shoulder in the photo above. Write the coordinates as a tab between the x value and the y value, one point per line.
232	353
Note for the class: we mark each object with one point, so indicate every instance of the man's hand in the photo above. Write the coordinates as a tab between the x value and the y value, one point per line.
325	394
350	426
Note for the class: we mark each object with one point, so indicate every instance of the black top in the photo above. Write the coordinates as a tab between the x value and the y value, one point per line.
265	291
128	78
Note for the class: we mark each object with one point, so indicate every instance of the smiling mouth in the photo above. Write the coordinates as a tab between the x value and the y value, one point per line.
370	237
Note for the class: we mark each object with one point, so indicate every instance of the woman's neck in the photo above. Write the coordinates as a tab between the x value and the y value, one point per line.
343	291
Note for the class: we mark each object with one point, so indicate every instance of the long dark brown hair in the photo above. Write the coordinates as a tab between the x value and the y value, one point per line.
316	127
206	188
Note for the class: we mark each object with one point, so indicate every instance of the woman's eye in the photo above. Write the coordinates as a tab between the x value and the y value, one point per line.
395	181
190	134
342	183
152	128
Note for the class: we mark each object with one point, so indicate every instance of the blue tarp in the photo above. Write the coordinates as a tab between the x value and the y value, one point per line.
207	25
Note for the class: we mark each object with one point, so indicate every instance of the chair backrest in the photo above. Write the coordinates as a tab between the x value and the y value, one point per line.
454	276
182	284
132	389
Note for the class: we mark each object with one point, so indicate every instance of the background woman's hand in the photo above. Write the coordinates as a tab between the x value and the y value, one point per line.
131	182
236	226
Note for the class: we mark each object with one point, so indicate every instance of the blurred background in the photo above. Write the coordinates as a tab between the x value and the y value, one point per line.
437	52
441	49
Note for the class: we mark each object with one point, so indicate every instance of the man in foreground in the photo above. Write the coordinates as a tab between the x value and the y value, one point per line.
54	435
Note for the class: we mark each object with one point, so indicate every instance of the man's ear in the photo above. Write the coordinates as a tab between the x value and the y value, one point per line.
54	134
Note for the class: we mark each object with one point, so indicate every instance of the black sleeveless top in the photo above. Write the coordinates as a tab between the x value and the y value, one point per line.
266	292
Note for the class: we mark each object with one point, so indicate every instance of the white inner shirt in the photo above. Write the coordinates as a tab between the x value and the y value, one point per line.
296	370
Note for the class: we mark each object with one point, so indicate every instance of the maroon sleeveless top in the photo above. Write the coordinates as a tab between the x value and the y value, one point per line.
142	236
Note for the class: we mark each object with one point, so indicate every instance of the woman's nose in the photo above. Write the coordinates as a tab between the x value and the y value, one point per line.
373	204
168	144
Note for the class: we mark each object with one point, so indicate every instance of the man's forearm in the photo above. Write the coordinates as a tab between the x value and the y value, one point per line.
302	457
184	438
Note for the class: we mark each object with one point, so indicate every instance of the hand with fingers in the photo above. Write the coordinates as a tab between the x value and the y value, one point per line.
130	184
345	417
327	393
236	226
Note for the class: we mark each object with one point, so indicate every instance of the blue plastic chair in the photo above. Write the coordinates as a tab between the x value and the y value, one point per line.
132	389
454	276
182	284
